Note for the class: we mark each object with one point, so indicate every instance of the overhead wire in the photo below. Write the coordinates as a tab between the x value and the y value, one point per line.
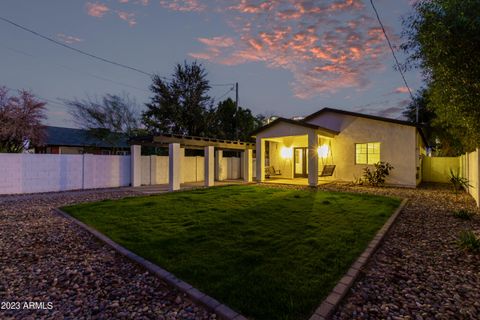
391	49
83	52
81	72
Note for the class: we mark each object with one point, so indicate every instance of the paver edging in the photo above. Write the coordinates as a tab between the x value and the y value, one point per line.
333	300
223	311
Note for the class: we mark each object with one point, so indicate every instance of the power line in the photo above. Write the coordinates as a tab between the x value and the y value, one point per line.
74	49
393	53
222	84
91	55
223	95
81	72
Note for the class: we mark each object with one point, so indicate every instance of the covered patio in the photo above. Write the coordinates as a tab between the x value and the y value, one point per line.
213	165
294	152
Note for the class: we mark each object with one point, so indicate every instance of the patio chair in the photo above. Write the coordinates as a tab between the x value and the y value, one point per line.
270	171
327	170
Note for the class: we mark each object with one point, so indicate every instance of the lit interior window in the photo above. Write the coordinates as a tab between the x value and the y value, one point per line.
367	153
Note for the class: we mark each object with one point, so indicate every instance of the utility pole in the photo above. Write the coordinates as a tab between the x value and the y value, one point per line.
236	95
235	124
417	113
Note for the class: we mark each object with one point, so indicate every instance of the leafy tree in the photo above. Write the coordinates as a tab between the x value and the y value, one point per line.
443	39
441	139
20	121
181	105
234	123
246	123
109	119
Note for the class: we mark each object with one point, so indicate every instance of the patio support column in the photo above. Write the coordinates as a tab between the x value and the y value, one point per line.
218	165
209	166
136	165
247	165
312	159
174	166
260	159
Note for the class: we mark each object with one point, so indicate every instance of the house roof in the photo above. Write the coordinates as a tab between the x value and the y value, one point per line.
59	136
368	116
304	122
301	123
357	114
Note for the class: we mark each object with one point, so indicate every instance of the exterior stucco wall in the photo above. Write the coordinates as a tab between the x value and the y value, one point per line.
291	136
397	146
285	165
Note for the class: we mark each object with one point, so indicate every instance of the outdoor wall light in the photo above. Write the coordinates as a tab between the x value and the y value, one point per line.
323	151
286	153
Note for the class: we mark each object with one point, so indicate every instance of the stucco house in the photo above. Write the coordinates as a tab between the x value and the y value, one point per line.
301	149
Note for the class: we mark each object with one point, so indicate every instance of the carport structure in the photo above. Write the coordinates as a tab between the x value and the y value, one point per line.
176	144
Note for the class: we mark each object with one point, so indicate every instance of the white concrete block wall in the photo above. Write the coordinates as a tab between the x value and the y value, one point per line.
31	173
474	175
146	169
200	169
106	171
162	170
193	169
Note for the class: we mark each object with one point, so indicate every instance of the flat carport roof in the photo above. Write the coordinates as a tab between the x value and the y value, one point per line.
191	142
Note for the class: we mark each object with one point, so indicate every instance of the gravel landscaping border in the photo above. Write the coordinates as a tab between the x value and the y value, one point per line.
211	304
333	300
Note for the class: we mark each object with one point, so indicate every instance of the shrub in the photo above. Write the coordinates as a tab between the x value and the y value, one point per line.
463	214
468	241
458	182
376	177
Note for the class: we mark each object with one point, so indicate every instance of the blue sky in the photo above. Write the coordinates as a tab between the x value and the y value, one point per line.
290	57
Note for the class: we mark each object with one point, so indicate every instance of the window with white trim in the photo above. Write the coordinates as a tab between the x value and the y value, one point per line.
367	153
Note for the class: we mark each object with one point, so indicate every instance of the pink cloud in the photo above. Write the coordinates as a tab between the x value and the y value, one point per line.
400	90
128	17
96	9
182	5
68	39
326	47
123	1
219	42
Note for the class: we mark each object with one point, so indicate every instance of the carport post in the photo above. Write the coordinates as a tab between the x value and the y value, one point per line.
136	165
209	166
312	158
247	165
260	159
218	165
174	166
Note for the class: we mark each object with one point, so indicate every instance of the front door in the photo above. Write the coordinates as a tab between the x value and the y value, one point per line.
300	163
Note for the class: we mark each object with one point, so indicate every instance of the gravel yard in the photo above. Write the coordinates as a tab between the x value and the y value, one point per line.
419	272
44	258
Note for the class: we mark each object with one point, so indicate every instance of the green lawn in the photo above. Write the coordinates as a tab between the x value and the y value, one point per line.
269	253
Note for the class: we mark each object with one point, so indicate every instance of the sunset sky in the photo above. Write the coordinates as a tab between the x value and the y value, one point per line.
290	57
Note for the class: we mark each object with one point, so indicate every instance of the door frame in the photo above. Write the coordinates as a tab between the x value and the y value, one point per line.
304	173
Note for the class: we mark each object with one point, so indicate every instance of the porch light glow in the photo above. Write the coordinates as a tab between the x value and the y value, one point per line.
323	151
286	153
